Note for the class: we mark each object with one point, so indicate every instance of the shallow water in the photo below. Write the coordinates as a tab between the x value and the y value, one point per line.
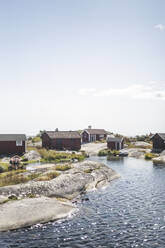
130	212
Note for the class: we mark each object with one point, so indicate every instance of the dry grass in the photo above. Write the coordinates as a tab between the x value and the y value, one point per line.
16	177
48	176
63	167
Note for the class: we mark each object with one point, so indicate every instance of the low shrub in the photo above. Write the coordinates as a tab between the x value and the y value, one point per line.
89	170
103	153
107	152
48	176
16	177
4	167
63	167
113	152
149	156
54	156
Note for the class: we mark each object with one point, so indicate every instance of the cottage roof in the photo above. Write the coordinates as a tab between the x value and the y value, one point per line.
63	134
96	131
114	139
12	137
162	135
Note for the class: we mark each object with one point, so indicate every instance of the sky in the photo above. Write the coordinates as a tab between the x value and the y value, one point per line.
68	64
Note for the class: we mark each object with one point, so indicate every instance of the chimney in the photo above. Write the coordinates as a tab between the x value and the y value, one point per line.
56	130
89	127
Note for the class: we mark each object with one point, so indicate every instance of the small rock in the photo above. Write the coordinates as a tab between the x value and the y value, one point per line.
32	155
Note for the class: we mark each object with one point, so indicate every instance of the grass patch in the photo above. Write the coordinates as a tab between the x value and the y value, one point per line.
16	177
103	153
107	152
89	170
4	167
48	176
130	145
56	157
149	156
62	167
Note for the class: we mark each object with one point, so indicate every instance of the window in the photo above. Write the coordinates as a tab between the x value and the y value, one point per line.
18	142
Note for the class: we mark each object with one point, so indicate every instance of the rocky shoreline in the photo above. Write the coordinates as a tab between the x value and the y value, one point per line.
40	202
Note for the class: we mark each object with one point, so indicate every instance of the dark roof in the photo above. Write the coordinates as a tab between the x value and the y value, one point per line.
12	137
114	139
63	134
96	131
162	135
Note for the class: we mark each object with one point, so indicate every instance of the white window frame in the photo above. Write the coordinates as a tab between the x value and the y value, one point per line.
19	142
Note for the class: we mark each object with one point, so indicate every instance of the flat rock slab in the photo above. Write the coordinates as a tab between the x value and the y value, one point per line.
3	199
27	212
159	160
70	184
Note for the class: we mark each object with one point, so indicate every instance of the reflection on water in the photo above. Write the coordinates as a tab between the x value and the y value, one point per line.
128	213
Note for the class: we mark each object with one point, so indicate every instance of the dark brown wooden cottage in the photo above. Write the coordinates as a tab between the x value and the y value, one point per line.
92	135
158	141
61	140
115	143
12	144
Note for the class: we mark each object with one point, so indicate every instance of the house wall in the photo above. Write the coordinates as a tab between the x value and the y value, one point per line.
100	137
91	137
112	145
10	148
158	143
61	144
68	144
85	137
46	142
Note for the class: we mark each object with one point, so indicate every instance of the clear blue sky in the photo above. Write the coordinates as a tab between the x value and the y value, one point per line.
74	63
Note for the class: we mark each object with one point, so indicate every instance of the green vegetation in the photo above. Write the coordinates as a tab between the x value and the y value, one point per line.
48	176
107	152
103	153
56	157
149	156
16	177
30	195
89	170
131	145
36	139
13	197
4	167
63	167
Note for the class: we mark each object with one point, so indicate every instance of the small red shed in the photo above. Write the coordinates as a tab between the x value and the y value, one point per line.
115	143
12	144
61	140
92	135
158	141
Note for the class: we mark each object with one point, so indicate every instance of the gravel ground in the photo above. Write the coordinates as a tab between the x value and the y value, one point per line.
93	148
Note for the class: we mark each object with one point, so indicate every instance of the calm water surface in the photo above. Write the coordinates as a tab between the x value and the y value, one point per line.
128	213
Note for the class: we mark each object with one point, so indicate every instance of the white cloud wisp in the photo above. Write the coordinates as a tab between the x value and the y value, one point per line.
136	91
160	26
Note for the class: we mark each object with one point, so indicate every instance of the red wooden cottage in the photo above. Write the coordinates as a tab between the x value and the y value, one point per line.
61	140
92	135
115	143
158	141
12	144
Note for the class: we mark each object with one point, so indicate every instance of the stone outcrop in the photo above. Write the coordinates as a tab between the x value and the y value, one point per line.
32	155
27	212
159	160
69	184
